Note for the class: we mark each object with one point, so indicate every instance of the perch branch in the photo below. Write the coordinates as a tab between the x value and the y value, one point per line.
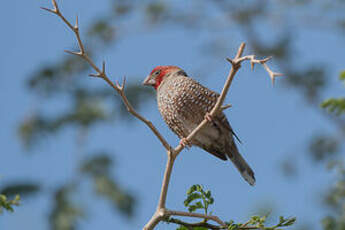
161	212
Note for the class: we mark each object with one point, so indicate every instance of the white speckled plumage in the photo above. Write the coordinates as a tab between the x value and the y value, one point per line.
183	104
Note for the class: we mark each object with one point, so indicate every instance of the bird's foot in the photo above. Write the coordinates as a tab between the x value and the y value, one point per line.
185	143
208	117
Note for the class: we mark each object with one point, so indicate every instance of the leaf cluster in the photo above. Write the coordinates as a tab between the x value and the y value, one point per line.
16	191
198	198
335	105
8	204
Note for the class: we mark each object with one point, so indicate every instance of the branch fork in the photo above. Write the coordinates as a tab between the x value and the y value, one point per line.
162	213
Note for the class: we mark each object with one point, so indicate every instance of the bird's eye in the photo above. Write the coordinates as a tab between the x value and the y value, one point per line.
155	74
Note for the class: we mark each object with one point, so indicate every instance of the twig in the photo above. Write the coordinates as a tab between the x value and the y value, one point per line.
254	61
102	74
198	215
161	212
193	225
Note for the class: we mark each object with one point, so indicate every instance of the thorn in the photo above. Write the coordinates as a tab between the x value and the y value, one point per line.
252	62
234	62
117	84
224	107
49	10
266	59
76	27
121	87
74	53
274	75
94	75
272	79
252	65
103	67
124	80
278	74
230	60
55	5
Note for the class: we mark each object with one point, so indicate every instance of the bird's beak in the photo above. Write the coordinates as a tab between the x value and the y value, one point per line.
149	81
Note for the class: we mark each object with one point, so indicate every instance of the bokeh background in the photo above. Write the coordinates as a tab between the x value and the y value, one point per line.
80	161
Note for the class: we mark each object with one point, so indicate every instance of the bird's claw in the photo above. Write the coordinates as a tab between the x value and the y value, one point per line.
185	143
208	117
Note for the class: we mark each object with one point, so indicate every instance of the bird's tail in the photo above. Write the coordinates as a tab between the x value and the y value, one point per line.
242	166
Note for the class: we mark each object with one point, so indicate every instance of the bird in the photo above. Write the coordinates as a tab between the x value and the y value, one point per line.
184	104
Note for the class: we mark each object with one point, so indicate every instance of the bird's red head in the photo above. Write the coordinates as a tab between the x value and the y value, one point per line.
158	74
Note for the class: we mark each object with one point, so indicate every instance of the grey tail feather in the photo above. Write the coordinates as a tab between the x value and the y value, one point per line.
242	166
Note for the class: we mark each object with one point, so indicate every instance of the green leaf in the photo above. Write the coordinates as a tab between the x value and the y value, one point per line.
342	76
233	227
290	221
208	194
334	105
8	204
192	197
99	164
201	198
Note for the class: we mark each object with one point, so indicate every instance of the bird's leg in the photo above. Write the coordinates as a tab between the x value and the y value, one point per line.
208	117
185	143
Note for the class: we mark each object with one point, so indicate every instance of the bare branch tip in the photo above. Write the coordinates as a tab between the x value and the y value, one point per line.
243	45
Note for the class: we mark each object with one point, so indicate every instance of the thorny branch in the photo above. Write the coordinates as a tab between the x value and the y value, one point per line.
100	73
162	213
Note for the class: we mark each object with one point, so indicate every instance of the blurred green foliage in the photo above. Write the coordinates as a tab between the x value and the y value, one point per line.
23	188
335	105
65	212
8	204
99	168
335	195
9	194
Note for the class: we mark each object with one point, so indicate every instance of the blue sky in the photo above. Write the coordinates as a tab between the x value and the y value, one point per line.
273	123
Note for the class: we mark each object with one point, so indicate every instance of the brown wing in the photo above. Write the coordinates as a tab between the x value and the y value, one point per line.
205	101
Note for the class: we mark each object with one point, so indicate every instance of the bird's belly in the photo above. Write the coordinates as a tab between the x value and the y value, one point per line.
206	135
